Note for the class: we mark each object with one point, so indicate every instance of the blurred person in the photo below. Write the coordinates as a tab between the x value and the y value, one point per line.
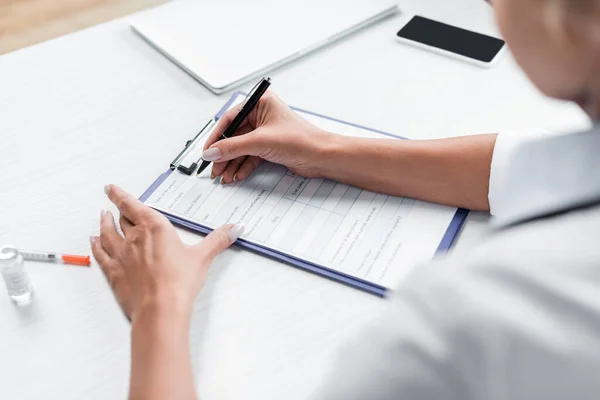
518	318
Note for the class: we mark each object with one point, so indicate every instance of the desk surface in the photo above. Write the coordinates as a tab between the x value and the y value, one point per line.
101	106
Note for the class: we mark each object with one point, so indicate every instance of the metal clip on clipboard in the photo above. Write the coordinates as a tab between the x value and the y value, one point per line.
189	146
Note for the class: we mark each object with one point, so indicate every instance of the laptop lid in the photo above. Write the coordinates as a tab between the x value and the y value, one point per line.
225	43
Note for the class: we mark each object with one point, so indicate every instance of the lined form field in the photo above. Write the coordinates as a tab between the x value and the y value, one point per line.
331	224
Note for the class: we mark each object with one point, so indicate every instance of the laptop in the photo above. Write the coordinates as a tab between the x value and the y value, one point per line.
226	43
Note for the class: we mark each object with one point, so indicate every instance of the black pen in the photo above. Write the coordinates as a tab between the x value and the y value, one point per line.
247	108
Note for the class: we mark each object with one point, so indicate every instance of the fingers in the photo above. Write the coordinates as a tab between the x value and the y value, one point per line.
130	207
247	138
102	247
114	275
223	123
217	241
231	169
250	144
219	167
246	168
126	225
106	262
110	239
240	168
101	256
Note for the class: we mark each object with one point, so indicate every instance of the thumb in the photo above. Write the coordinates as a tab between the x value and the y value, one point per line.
218	240
238	146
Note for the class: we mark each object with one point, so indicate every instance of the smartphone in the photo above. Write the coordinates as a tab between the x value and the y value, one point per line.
452	41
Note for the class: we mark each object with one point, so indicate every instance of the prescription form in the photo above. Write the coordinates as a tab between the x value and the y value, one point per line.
370	236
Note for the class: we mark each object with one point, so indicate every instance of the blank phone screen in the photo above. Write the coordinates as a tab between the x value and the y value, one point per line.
450	38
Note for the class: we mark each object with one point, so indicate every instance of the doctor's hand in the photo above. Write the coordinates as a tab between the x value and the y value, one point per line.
149	268
272	132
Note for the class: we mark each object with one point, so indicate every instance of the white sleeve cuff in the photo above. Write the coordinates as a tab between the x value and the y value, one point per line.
504	150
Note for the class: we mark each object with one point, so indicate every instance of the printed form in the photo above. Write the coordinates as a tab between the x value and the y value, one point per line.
371	236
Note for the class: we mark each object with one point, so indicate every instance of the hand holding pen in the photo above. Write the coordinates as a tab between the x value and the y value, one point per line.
272	132
260	89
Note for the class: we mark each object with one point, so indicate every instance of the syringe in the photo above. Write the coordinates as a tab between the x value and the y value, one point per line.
57	258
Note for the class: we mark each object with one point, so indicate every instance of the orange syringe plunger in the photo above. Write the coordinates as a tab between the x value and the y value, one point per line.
76	260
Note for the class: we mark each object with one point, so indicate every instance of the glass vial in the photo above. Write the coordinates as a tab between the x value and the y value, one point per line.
15	277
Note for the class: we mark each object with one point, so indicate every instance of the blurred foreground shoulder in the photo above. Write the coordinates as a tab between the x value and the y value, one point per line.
516	318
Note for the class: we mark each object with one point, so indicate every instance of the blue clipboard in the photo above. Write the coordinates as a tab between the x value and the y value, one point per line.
378	290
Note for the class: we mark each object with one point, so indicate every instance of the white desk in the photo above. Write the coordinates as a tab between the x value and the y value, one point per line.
101	106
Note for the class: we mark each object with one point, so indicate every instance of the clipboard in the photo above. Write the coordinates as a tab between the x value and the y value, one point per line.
446	243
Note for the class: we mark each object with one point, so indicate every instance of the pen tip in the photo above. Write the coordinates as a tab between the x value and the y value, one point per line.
202	167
